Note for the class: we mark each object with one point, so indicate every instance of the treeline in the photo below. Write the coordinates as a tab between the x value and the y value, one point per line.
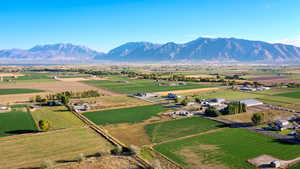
232	108
64	97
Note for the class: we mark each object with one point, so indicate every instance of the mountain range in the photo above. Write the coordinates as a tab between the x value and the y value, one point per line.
201	49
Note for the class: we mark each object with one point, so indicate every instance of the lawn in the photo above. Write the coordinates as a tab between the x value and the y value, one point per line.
30	151
58	115
18	91
164	131
229	148
130	86
125	115
16	122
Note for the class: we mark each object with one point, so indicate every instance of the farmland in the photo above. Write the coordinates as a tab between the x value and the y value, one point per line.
230	148
125	115
31	150
16	122
32	77
18	91
130	86
291	94
58	115
164	131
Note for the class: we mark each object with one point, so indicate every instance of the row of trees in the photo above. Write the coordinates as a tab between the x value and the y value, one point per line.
232	108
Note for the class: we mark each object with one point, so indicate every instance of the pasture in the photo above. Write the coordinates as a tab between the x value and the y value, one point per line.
32	77
18	91
58	115
227	149
16	122
168	130
130	86
30	151
125	115
295	94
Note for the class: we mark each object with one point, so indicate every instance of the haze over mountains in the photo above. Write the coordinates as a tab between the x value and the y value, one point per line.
208	49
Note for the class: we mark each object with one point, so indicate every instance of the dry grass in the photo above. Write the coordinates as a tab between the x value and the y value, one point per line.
10	74
31	150
201	76
113	102
187	91
268	115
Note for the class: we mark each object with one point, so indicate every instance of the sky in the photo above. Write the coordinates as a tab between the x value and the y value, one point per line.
106	24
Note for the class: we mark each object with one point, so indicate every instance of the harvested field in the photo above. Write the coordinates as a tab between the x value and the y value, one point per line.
113	102
187	91
73	79
58	146
106	162
200	76
10	74
268	80
48	87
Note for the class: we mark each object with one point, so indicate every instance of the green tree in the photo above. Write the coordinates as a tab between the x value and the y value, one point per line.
212	111
184	102
45	125
65	99
257	118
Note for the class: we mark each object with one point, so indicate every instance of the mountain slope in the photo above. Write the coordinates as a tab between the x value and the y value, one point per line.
59	51
205	49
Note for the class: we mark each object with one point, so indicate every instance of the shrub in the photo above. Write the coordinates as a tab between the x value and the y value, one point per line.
47	164
257	118
134	149
81	157
45	125
117	150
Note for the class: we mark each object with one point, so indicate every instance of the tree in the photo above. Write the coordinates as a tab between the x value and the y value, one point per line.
184	102
212	111
257	118
45	125
65	99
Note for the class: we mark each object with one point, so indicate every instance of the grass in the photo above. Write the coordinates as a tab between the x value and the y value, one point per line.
164	131
291	94
58	115
233	147
296	166
130	86
125	115
18	91
29	151
33	77
16	122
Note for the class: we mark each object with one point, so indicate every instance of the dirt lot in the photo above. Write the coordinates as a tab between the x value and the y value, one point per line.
187	91
10	74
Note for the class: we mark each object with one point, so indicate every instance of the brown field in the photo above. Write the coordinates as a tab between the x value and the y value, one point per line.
49	87
113	102
187	91
10	74
30	150
294	71
273	79
268	115
105	162
201	76
135	133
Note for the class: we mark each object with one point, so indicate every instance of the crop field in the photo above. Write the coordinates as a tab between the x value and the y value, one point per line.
291	94
130	86
227	94
16	122
30	151
125	115
164	131
18	91
230	148
33	77
58	115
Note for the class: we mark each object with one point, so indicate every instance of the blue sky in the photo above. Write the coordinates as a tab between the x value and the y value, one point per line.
105	24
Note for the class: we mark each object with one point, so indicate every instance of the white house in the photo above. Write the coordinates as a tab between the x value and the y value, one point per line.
282	124
2	107
275	164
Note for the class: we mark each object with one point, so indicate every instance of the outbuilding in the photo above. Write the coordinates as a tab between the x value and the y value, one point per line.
251	102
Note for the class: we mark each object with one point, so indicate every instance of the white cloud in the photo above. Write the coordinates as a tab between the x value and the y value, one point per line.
295	41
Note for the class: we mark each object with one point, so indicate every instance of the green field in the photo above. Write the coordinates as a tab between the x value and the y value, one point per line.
30	151
58	115
33	77
16	122
125	115
297	166
130	86
229	148
18	91
291	94
164	131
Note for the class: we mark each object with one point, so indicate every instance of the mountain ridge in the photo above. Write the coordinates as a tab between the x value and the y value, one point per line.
208	49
